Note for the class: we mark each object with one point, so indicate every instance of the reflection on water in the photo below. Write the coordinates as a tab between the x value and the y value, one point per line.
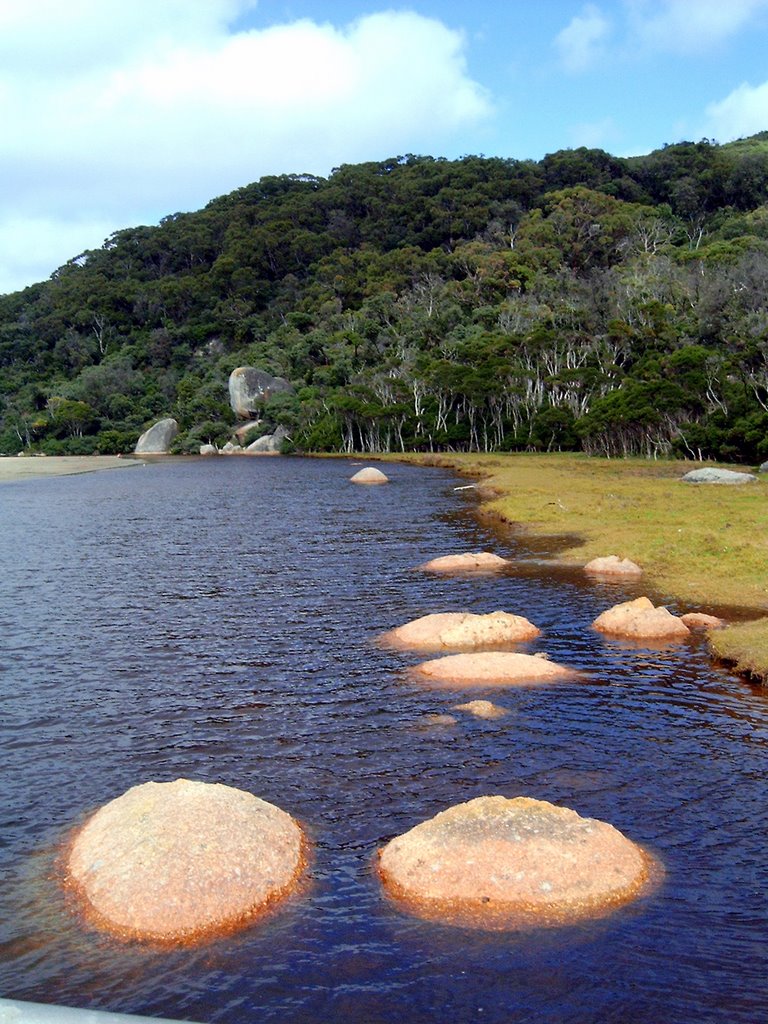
216	620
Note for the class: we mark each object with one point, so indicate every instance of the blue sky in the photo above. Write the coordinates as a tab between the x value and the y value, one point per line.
117	112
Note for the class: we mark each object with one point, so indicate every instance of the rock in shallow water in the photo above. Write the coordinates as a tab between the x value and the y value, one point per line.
369	475
612	565
495	863
461	630
482	709
640	620
469	562
181	860
491	668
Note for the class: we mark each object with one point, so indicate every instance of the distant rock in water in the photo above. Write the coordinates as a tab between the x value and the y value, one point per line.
479	562
710	475
491	668
369	475
269	444
250	388
612	565
230	448
175	861
482	709
640	620
497	863
158	439
209	449
457	630
700	620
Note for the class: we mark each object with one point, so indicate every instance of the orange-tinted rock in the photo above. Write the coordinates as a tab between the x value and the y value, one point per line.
369	475
700	620
482	709
494	862
179	860
640	620
612	565
461	630
469	562
491	668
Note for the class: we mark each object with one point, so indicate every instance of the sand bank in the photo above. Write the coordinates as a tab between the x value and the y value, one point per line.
14	468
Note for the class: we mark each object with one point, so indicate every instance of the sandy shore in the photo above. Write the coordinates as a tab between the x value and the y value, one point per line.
30	467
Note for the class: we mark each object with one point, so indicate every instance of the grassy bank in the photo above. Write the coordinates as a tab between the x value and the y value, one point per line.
704	546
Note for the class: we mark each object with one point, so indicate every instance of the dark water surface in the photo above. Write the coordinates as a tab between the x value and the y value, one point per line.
213	620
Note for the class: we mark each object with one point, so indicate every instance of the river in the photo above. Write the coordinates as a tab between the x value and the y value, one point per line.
214	619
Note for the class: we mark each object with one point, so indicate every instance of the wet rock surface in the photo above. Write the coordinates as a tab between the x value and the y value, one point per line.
640	620
457	630
494	862
469	562
491	668
482	709
178	861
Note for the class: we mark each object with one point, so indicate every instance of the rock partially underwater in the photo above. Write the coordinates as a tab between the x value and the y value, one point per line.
460	630
490	669
480	562
640	620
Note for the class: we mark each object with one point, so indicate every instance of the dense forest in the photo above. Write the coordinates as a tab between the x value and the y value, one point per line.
583	302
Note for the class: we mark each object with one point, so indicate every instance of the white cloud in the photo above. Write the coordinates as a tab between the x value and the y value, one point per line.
580	43
690	26
117	113
743	112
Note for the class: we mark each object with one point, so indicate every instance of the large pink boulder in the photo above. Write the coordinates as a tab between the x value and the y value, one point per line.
491	668
470	562
612	565
496	863
369	475
176	861
640	620
461	630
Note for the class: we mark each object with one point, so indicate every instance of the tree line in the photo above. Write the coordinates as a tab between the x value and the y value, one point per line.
581	302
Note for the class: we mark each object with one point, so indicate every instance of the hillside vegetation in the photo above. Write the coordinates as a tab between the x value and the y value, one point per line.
582	302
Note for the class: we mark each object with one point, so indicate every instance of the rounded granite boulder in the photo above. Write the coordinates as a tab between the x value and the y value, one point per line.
499	863
369	475
612	565
490	669
179	861
460	630
472	563
640	620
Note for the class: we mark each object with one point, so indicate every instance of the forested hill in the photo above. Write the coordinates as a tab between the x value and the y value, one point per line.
588	302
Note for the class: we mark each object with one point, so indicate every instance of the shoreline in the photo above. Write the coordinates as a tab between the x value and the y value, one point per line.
15	468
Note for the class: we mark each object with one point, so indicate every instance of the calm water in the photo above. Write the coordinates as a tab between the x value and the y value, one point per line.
213	619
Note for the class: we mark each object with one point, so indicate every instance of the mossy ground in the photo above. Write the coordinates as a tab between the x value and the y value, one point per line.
703	545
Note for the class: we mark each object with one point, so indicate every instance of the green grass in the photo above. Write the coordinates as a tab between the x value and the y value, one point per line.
703	545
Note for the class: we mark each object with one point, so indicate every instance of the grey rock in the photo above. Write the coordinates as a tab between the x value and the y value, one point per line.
250	388
711	475
270	443
158	439
763	468
231	449
209	449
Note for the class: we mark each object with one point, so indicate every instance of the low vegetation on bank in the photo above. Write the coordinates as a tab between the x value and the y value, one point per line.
703	546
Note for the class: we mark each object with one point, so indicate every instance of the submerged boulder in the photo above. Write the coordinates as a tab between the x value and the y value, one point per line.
712	475
369	475
461	630
491	668
700	620
180	860
494	862
250	389
640	620
612	565
470	562
482	709
158	439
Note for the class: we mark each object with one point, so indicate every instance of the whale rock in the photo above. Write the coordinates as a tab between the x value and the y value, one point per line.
158	439
461	630
494	862
479	562
250	389
369	475
174	861
612	565
712	475
490	668
640	620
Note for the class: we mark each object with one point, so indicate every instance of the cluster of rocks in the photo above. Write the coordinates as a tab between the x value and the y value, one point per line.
267	444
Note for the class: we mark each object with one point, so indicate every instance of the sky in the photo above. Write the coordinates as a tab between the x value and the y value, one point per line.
115	113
